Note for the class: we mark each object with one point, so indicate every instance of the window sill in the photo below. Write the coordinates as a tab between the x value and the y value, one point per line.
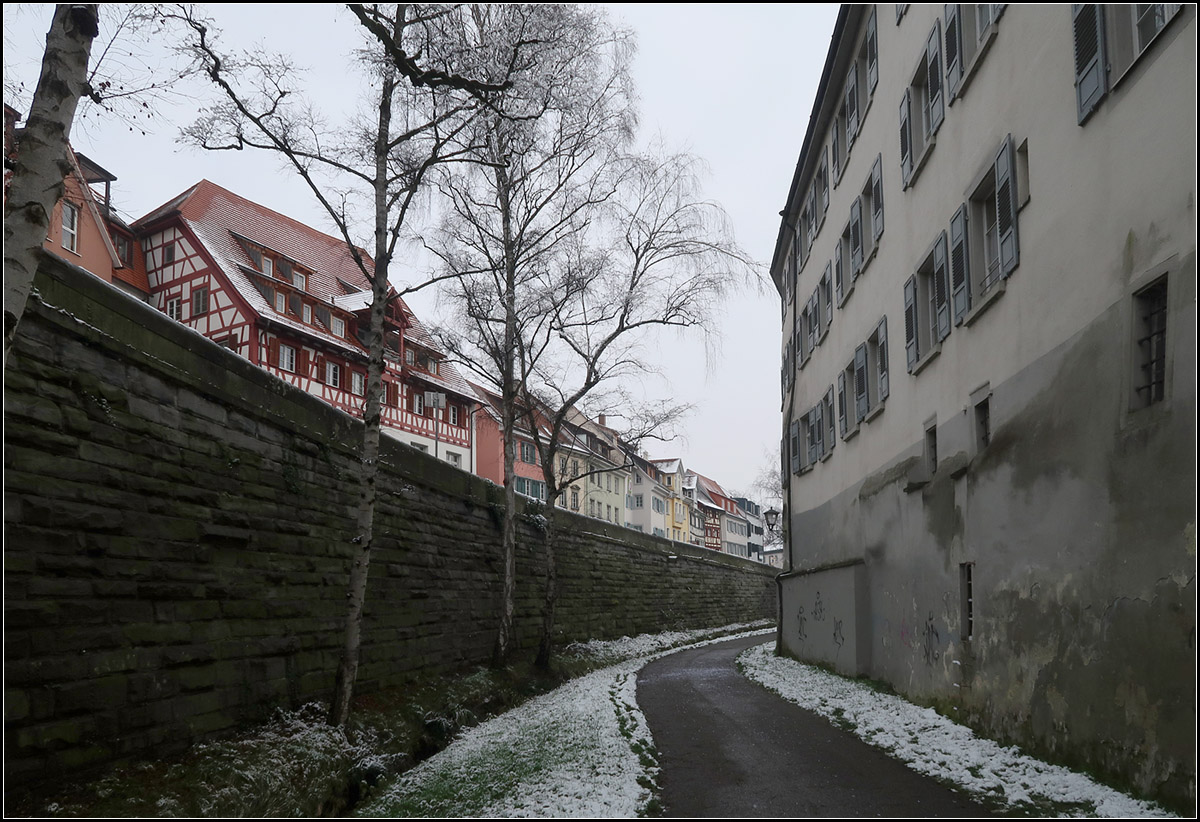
920	160
985	303
846	292
851	434
925	360
826	455
985	43
874	412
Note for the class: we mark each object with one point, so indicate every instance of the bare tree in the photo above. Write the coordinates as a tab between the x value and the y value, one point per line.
376	166
43	164
543	162
655	257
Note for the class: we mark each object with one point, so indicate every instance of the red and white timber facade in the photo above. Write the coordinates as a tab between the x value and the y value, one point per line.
293	300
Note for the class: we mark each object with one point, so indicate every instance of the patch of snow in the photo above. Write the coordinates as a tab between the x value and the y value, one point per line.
931	744
582	750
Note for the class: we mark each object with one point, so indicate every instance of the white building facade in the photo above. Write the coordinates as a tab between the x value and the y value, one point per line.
987	266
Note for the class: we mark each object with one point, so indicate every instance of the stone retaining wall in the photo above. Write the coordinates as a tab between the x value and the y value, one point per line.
176	527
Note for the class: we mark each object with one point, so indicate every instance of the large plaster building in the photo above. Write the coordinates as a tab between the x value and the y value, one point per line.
987	265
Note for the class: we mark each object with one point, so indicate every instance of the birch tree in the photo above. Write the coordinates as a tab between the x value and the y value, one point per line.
367	173
543	161
43	164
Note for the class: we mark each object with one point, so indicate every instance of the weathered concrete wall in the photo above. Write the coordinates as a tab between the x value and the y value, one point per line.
176	526
1078	520
814	631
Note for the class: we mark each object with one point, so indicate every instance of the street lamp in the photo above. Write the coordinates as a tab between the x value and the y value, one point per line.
772	518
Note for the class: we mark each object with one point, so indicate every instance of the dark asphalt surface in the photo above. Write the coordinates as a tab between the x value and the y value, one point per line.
730	748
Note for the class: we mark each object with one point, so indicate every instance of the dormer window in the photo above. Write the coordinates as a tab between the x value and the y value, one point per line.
338	327
300	281
433	367
307	313
409	357
280	302
268	267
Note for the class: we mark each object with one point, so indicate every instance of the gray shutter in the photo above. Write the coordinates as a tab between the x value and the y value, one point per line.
841	400
838	276
266	290
817	420
323	315
954	67
831	433
824	177
872	54
1090	72
827	285
817	324
833	148
1006	208
862	398
856	247
935	99
852	107
285	268
295	304
911	347
884	382
906	158
795	446
941	289
960	274
877	198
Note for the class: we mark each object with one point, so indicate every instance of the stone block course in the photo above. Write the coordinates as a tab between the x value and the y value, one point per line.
177	546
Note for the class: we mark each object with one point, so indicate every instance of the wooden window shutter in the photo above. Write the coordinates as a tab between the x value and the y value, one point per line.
936	101
941	289
835	144
862	399
273	352
852	106
1091	82
831	432
856	246
872	54
795	430
302	361
906	158
877	198
837	272
884	381
1006	208
841	401
320	359
912	349
954	66
960	275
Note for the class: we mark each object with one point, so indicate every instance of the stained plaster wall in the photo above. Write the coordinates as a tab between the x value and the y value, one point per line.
1079	521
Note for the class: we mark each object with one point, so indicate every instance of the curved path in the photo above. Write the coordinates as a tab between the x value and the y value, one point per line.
729	747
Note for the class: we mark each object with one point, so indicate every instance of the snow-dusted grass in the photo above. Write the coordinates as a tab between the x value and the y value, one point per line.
929	743
582	750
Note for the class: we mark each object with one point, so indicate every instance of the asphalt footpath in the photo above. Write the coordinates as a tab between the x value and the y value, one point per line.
728	747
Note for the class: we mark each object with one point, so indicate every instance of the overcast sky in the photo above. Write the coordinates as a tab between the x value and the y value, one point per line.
732	84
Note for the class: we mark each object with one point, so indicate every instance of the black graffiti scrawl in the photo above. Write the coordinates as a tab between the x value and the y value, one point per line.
932	641
800	621
819	609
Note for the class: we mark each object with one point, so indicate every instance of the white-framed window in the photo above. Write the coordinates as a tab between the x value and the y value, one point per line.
300	281
268	266
454	459
175	309
280	302
168	253
358	383
418	403
410	358
922	108
333	374
338	327
574	499
453	413
70	226
287	358
927	306
307	313
199	301
1109	39
638	501
528	453
984	246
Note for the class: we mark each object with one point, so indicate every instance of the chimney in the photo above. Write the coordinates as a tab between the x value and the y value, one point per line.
600	419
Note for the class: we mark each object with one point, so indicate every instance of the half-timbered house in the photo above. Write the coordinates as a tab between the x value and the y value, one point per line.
294	301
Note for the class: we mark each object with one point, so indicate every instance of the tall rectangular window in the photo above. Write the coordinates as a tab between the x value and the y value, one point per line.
1150	307
70	226
966	594
199	301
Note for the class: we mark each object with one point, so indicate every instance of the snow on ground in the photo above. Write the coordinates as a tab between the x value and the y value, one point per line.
931	744
582	750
